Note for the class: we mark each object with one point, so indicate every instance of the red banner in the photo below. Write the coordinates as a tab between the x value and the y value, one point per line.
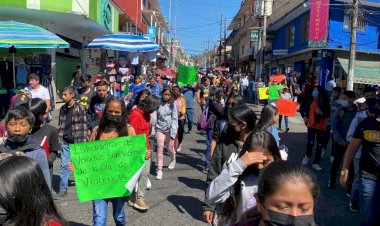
277	78
287	107
319	15
167	72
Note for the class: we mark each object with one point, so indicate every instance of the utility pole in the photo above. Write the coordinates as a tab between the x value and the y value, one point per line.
225	41
207	44
220	39
351	64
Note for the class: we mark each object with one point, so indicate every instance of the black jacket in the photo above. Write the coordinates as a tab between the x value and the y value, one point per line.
226	151
96	105
323	104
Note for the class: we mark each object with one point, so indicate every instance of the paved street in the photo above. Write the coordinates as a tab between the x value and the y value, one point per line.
176	200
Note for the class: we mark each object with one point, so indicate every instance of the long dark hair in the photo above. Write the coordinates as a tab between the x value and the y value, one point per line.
253	142
243	113
139	94
121	127
38	107
24	193
266	118
150	104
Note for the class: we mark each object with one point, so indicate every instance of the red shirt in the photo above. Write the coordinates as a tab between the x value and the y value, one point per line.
141	123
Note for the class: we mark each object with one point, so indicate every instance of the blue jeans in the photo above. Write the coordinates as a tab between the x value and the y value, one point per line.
369	202
286	121
209	134
64	172
356	183
99	209
190	118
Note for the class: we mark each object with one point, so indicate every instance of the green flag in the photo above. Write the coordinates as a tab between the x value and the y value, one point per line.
186	75
126	87
108	168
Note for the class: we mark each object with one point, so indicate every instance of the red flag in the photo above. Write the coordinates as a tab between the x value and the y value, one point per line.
45	146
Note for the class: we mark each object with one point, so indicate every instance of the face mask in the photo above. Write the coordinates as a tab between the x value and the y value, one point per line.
17	138
315	93
231	130
115	119
274	218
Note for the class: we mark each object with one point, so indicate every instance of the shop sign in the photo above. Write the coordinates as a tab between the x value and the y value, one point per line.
280	52
319	11
151	32
106	13
254	35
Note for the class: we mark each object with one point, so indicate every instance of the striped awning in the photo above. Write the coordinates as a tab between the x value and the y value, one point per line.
21	35
123	42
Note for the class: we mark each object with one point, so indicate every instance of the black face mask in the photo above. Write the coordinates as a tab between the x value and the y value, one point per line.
17	138
231	131
274	218
115	119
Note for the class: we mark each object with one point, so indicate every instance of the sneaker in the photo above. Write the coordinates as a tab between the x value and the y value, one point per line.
159	175
61	194
354	206
148	184
131	203
305	160
179	147
287	130
332	159
172	164
316	167
323	154
141	205
331	185
205	170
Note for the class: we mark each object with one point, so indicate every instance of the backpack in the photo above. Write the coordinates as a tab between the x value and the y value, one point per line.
26	148
202	120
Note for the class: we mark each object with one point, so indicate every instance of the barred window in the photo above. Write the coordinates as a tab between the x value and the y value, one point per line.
361	20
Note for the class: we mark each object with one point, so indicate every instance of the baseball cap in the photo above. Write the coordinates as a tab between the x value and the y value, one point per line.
361	100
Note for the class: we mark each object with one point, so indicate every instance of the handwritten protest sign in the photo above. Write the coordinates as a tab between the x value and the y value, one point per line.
103	168
186	75
263	93
274	92
287	107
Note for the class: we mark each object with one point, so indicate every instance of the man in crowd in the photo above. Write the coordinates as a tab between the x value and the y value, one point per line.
189	93
88	92
72	129
367	135
341	121
97	104
38	90
155	87
77	79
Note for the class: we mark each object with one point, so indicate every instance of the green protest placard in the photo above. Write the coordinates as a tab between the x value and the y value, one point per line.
107	168
274	92
186	75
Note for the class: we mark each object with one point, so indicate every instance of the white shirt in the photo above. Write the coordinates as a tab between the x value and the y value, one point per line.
41	92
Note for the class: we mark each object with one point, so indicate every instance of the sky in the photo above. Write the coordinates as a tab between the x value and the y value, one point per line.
198	20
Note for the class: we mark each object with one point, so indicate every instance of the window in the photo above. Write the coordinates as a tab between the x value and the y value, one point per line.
361	20
305	23
290	36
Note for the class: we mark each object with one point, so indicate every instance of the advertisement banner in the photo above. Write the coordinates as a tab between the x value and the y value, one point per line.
319	15
151	32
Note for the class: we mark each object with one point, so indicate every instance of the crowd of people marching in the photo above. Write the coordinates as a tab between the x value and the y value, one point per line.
249	181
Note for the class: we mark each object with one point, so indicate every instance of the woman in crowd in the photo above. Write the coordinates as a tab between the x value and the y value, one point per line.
166	130
268	118
241	122
113	124
25	197
180	104
285	95
44	134
314	110
203	92
287	192
237	183
141	120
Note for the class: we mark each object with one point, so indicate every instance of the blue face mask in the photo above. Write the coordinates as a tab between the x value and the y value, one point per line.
315	93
